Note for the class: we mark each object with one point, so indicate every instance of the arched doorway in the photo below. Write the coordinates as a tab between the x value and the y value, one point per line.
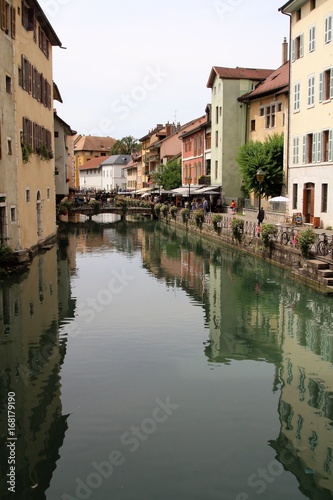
39	215
308	201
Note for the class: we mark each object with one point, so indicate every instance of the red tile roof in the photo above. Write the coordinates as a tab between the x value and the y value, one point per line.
237	74
93	163
276	81
93	143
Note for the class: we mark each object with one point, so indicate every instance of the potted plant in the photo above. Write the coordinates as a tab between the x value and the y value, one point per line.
305	240
199	217
26	152
216	221
237	226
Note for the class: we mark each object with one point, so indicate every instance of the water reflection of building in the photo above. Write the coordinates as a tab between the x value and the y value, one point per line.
31	355
252	317
306	402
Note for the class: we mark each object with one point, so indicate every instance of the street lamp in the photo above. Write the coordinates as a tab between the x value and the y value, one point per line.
188	181
260	175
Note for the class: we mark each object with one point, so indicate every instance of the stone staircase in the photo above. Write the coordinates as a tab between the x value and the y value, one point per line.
322	272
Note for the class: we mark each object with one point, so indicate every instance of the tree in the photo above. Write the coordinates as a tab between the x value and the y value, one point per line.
267	156
169	176
125	146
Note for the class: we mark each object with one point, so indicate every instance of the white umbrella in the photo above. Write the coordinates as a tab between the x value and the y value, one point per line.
279	199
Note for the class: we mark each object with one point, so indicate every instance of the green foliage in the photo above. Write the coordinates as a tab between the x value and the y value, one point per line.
169	176
95	206
125	146
173	212
165	210
26	152
157	209
305	240
185	213
199	217
44	153
266	231
237	226
267	156
5	253
216	220
65	207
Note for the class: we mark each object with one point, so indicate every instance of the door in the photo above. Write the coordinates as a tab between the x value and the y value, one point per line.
308	202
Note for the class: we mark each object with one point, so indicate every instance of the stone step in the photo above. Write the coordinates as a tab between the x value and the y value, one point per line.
318	264
325	273
328	281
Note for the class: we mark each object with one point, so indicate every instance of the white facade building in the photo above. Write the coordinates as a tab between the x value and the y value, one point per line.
310	156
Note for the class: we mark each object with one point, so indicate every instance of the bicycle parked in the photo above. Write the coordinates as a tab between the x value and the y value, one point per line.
289	236
325	245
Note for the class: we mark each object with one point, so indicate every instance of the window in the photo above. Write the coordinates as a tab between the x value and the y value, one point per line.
279	106
296	150
295	195
56	133
261	111
8	19
328	28
312	39
216	138
216	168
48	193
324	191
326	85
297	46
253	125
297	96
13	214
8	84
312	4
298	14
9	147
208	141
270	116
217	114
327	143
27	195
309	148
311	91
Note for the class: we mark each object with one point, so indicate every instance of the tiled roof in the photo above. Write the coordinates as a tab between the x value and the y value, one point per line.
276	81
237	74
117	160
93	163
93	143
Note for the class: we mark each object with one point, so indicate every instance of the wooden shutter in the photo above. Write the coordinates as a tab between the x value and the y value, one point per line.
13	21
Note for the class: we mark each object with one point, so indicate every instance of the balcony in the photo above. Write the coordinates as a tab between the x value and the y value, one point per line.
204	180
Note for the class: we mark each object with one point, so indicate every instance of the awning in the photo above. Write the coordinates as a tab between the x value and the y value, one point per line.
142	190
208	190
183	191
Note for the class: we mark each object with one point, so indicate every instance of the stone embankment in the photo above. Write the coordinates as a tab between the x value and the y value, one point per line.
317	271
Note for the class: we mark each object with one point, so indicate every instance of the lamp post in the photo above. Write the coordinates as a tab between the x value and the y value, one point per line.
260	175
188	181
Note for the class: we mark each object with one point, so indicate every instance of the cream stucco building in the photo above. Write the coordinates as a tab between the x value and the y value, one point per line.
27	142
310	155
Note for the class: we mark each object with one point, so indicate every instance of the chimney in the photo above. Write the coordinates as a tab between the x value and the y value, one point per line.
168	129
284	51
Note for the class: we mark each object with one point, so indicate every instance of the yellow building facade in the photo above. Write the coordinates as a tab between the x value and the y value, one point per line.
30	37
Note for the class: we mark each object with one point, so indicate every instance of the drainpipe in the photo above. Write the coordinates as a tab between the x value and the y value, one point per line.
289	105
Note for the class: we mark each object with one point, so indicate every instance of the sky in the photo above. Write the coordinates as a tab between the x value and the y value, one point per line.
130	65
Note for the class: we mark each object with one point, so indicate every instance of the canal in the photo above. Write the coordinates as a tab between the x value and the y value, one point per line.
141	363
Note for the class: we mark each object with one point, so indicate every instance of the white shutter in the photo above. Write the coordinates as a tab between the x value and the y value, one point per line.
293	48
301	45
304	148
331	83
321	86
314	148
330	145
319	139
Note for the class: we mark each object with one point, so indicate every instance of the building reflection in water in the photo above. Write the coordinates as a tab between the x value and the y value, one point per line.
292	329
31	356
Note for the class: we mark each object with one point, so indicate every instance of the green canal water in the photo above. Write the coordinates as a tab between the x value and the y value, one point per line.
140	363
